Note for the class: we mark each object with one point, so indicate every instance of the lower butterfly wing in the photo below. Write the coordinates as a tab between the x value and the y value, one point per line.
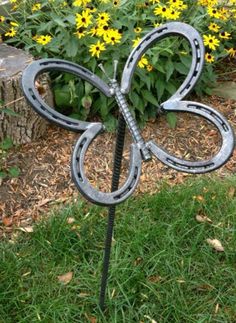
196	167
82	182
36	68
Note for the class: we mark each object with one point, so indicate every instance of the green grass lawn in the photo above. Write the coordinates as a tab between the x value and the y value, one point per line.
162	268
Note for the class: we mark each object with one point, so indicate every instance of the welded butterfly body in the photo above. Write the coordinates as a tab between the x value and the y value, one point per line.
140	150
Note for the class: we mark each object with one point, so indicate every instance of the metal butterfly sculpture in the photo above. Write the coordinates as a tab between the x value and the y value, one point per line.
140	150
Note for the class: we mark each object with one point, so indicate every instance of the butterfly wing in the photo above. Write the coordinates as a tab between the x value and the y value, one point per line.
38	67
175	103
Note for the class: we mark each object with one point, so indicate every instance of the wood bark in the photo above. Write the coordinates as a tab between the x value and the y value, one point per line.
28	125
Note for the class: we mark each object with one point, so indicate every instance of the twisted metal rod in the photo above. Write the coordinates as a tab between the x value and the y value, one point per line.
120	138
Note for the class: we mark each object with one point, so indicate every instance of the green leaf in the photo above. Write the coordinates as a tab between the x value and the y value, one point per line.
3	174
70	19
6	144
62	96
150	97
135	99
186	60
171	119
72	47
10	112
181	68
110	123
160	86
169	67
14	171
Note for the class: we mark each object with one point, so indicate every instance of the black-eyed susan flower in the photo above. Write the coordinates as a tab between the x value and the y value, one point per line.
211	41
93	31
11	32
231	51
43	39
177	4
224	35
103	30
103	18
214	27
80	33
156	24
137	30
161	11
149	68
209	58
83	20
112	37
143	62
36	7
224	14
97	48
213	12
2	18
80	3
136	42
154	1
173	14
116	3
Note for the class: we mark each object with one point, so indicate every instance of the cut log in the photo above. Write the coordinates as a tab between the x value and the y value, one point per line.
28	125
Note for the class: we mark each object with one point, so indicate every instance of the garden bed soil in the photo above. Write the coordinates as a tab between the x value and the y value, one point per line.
45	179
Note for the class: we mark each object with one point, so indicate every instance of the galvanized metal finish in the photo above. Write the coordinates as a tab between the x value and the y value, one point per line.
140	150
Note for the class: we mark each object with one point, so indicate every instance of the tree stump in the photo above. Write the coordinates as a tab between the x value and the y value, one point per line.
28	125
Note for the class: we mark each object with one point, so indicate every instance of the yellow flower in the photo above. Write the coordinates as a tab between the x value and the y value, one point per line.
224	35
102	30
211	41
136	41
93	31
80	3
97	48
143	62
36	7
137	30
83	20
116	3
149	68
43	40
154	1
161	11
11	32
224	14
178	4
80	33
209	58
103	18
104	1
209	3
214	27
2	18
231	51
14	24
156	24
173	14
112	37
213	12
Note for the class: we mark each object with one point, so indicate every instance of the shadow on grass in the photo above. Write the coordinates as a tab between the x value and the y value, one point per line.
162	269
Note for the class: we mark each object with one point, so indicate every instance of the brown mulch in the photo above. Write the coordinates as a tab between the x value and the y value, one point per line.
45	178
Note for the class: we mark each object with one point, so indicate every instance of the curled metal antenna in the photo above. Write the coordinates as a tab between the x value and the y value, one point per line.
115	63
104	71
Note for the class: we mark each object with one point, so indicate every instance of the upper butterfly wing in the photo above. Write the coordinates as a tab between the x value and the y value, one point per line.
36	68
